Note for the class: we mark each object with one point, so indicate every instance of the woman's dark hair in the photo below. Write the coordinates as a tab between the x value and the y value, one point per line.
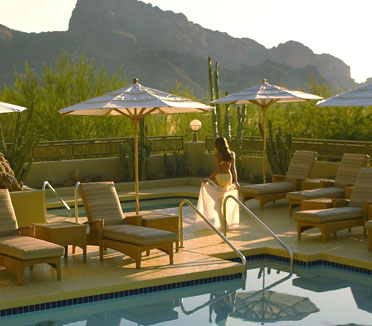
222	147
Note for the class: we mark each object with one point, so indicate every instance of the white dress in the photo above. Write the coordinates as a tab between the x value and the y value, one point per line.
210	202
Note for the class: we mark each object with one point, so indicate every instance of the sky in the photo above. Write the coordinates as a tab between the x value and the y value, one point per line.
341	28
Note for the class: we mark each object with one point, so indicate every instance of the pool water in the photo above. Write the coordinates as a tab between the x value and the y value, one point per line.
270	295
129	206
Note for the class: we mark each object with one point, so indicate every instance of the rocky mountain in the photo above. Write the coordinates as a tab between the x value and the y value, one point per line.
161	47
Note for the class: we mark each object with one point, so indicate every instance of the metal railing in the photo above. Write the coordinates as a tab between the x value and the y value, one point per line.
76	202
100	147
326	148
185	201
255	218
205	304
47	184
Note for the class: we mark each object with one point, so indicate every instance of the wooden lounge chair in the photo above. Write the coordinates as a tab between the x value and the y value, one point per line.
299	169
18	252
346	175
108	228
30	210
344	214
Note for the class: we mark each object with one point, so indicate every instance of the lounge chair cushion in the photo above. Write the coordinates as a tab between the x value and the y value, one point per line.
329	215
138	235
102	202
349	169
300	165
8	221
268	188
362	191
368	225
328	192
25	248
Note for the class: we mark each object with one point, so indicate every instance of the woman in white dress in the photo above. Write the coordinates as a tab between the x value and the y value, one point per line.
221	183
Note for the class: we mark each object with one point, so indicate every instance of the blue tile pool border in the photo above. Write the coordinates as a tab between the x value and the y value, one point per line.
305	263
171	286
115	295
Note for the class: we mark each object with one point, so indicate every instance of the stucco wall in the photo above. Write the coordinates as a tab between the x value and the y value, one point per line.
198	163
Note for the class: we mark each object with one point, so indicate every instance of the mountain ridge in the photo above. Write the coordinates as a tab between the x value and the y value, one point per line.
163	47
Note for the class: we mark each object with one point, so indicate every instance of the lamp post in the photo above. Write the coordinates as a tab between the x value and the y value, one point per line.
195	126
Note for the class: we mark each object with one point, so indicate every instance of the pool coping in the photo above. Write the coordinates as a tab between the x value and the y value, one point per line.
264	257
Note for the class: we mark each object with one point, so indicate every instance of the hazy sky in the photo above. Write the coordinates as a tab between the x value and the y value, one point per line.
338	27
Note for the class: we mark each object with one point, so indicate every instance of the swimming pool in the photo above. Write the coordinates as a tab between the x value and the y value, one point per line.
318	295
130	206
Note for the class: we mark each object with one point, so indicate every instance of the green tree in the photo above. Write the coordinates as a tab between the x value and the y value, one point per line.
22	137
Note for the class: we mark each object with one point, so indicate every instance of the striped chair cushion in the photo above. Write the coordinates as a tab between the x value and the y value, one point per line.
300	165
362	191
349	169
329	214
8	221
29	248
101	201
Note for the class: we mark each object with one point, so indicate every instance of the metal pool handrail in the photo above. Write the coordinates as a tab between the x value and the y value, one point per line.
255	218
185	201
207	303
47	184
76	202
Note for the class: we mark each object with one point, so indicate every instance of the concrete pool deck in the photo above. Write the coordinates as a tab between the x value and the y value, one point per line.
203	257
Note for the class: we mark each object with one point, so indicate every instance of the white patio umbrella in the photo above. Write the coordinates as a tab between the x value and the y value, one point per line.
265	95
361	96
135	102
7	108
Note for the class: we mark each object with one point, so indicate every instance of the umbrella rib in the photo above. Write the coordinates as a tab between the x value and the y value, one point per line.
129	114
121	113
140	114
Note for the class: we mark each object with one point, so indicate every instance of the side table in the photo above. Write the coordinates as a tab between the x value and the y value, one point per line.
162	222
319	203
63	234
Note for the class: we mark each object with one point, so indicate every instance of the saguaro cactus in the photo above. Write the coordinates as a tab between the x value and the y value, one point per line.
242	114
212	98
144	150
278	149
126	155
217	96
227	125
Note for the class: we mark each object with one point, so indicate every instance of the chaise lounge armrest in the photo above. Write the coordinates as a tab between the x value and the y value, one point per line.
133	220
309	184
340	202
296	181
327	183
348	191
26	231
367	208
95	224
278	177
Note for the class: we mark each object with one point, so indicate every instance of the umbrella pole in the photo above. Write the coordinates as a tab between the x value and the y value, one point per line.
135	121
264	144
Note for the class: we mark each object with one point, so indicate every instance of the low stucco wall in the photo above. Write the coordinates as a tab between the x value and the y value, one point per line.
108	169
57	172
198	163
